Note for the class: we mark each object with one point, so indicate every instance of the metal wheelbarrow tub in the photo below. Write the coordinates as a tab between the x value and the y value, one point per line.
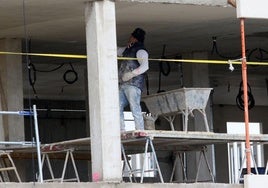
180	101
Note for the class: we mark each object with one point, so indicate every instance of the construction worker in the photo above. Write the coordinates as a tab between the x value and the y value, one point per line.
131	77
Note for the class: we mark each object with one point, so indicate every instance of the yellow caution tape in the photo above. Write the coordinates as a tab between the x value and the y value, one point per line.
208	61
44	55
128	58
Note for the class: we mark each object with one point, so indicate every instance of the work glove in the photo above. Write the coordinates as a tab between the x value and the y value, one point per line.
127	76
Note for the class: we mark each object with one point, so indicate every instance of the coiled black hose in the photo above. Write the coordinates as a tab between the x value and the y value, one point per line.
240	98
71	72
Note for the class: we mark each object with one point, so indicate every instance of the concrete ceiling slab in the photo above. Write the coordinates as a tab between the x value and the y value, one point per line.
58	27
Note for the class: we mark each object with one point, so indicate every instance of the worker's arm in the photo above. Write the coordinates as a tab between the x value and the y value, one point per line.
142	57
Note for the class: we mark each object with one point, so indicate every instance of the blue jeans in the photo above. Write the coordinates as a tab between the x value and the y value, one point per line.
131	95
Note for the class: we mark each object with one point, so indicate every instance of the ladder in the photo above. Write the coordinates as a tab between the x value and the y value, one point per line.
6	166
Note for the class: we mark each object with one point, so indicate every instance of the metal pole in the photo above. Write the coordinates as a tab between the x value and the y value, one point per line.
38	145
21	113
17	143
245	88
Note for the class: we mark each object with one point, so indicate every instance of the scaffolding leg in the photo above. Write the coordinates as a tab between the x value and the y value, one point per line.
198	168
202	152
178	157
1	179
241	168
156	161
174	167
64	166
38	145
126	163
255	164
240	171
142	170
266	168
69	154
74	166
145	156
49	166
183	167
209	169
45	157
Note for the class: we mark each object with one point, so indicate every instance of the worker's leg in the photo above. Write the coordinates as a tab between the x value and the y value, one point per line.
133	95
123	102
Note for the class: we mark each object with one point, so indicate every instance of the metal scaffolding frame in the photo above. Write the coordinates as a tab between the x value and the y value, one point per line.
181	142
135	142
37	141
148	142
179	158
68	156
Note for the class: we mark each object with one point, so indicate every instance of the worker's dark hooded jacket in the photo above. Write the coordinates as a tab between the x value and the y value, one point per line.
129	65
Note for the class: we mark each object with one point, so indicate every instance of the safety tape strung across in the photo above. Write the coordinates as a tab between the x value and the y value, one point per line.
71	56
198	61
45	55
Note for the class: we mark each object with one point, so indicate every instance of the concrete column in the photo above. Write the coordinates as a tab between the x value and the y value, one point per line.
11	91
103	91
